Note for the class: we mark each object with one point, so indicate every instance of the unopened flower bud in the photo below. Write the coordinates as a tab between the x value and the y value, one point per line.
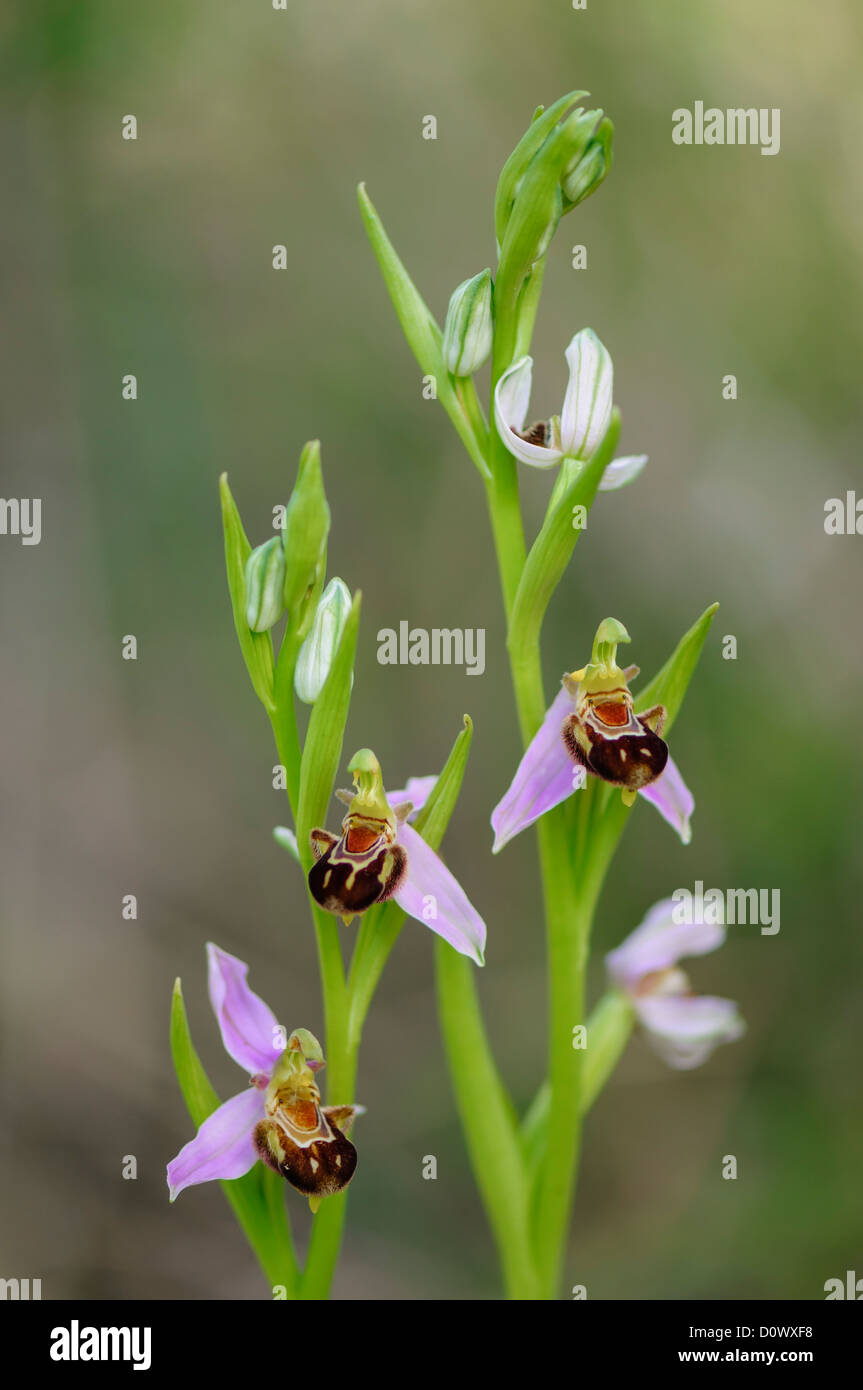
515	168
265	585
468	331
319	648
587	172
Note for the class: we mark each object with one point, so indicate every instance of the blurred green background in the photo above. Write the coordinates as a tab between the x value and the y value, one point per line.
154	777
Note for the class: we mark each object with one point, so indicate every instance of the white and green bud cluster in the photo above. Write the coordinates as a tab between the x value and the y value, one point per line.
562	157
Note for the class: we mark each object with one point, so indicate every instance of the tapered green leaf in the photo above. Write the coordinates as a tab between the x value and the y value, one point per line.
257	647
491	1135
322	752
307	525
434	817
198	1093
418	325
669	685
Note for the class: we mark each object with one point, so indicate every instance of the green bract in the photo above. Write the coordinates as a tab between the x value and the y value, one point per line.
307	525
257	648
670	684
419	327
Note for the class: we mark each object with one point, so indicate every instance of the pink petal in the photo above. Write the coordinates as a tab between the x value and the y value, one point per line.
223	1146
672	799
417	791
660	942
546	776
685	1029
248	1026
429	893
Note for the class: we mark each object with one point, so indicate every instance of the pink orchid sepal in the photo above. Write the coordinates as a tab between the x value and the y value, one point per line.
684	1028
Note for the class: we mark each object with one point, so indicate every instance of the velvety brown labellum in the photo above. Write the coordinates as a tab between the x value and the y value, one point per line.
536	434
355	871
630	760
320	1168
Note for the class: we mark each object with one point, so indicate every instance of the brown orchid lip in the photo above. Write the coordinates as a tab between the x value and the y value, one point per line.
535	434
631	759
353	872
319	1168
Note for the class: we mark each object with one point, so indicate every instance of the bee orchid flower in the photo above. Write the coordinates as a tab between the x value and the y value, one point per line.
379	856
584	419
592	729
684	1028
279	1117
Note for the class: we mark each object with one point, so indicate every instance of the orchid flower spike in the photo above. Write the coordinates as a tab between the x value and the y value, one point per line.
592	728
684	1028
279	1117
380	856
583	421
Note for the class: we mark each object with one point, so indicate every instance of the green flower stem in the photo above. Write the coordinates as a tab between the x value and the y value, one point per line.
508	532
278	1235
328	1223
284	717
324	1246
502	487
310	782
487	1120
568	925
568	909
609	1029
569	915
470	403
